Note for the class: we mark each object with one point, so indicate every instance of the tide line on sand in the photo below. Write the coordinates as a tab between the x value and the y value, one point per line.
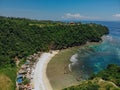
40	79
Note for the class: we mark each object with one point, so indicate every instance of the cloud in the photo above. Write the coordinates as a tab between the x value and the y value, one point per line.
77	16
69	15
116	15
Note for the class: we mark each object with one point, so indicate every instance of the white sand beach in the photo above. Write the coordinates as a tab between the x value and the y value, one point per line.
40	79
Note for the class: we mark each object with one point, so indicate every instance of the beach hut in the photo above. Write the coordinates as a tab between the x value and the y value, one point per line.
28	69
34	54
22	71
27	62
28	87
23	66
21	87
29	58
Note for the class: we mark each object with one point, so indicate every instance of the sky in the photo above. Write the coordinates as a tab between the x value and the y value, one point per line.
104	10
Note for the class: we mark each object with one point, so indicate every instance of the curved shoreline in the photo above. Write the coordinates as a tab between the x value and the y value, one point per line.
58	70
40	79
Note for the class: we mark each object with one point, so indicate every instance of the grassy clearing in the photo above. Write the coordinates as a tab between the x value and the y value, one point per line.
95	84
7	78
5	83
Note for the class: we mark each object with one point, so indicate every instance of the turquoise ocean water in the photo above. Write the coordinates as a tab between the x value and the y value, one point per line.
92	59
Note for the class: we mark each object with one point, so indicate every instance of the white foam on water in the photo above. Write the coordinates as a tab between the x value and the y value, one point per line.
73	60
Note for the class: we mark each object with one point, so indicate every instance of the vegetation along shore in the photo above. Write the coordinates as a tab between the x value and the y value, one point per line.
20	37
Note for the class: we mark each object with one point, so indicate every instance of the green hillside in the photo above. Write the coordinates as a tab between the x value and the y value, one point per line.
108	79
20	37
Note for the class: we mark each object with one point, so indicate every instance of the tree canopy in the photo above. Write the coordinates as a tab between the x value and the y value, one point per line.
21	37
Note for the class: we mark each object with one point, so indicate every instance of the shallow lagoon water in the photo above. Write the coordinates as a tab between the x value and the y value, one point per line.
92	59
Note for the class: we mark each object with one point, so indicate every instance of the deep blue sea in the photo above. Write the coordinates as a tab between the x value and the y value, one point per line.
92	59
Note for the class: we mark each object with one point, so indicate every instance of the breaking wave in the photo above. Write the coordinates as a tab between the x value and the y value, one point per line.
95	58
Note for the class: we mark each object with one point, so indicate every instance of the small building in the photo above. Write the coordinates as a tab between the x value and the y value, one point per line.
22	71
23	66
27	62
72	23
